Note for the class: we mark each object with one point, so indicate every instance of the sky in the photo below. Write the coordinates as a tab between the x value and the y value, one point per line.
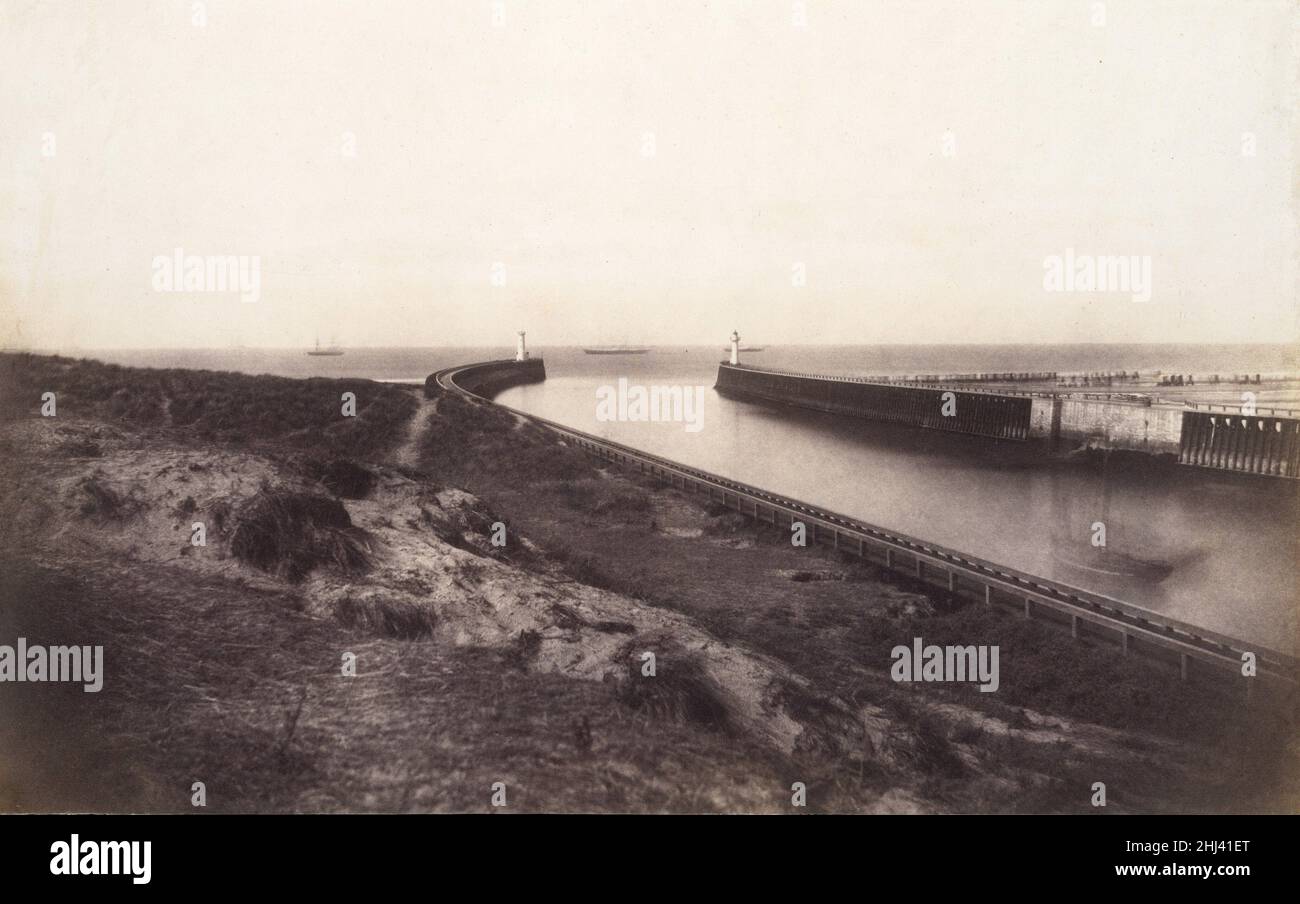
445	173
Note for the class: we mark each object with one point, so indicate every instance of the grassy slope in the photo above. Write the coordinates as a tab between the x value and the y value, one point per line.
212	406
205	682
227	678
839	633
229	681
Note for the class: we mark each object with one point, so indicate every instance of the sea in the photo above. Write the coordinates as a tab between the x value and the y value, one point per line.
1229	539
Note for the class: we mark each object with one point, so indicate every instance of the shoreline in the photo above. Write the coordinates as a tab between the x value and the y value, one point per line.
785	651
499	377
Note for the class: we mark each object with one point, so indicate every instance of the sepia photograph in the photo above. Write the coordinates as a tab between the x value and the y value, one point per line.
648	408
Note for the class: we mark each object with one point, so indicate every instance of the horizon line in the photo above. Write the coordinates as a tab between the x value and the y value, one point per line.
510	344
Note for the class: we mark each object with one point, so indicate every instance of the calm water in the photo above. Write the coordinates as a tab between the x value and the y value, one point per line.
1231	540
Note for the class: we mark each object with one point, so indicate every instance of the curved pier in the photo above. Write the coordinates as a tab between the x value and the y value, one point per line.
1133	629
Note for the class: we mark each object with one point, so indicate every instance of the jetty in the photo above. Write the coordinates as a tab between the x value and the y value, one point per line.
1135	631
1244	439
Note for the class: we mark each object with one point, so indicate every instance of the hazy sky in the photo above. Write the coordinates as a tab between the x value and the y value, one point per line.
646	171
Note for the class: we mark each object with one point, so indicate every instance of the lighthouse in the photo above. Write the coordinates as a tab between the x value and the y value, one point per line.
521	353
735	347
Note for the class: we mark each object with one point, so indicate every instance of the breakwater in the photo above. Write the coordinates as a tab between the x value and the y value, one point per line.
1264	443
1112	421
1191	650
956	410
491	377
1253	444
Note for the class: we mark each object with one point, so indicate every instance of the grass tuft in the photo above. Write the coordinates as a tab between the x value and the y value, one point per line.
290	533
102	502
680	690
398	618
347	479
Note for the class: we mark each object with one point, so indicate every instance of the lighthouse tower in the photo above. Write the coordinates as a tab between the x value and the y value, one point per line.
521	352
735	347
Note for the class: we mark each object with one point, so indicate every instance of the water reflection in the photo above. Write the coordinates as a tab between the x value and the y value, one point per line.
1208	548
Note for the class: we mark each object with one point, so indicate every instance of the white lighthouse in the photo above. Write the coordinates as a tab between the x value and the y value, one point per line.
735	347
521	351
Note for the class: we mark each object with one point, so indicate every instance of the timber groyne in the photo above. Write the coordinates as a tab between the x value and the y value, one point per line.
1133	630
1250	443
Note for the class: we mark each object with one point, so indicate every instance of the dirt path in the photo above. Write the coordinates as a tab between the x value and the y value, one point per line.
407	452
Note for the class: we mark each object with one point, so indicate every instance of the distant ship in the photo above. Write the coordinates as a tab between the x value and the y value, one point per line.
748	348
332	350
616	349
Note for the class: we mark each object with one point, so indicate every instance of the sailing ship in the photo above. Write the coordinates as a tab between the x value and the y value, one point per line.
332	350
